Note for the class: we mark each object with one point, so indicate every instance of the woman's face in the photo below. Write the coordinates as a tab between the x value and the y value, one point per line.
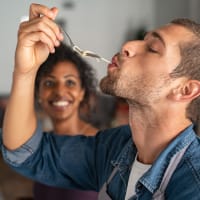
60	92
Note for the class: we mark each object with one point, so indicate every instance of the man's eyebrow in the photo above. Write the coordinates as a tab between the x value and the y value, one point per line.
156	35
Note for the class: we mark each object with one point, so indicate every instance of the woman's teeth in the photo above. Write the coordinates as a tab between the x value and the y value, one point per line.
60	103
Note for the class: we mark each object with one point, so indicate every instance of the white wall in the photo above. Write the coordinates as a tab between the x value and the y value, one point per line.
166	10
97	25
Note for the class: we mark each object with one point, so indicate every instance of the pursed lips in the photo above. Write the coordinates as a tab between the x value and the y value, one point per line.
114	64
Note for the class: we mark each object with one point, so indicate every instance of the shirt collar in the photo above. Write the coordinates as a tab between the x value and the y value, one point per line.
153	176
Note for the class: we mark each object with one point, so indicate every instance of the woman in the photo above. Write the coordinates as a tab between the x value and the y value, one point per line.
63	87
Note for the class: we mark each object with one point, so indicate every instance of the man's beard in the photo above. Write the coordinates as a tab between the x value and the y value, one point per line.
108	85
134	91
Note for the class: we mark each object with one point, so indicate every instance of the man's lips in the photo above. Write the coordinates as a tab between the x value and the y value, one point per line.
114	63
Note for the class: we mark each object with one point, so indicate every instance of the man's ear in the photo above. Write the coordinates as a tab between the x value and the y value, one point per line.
188	91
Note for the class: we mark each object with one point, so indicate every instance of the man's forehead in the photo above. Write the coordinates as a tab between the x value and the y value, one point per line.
172	33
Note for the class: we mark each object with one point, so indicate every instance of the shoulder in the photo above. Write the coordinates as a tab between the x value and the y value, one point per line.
115	137
192	157
124	129
185	182
190	165
108	142
121	132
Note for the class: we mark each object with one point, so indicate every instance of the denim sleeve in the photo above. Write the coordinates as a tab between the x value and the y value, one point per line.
77	162
53	160
18	156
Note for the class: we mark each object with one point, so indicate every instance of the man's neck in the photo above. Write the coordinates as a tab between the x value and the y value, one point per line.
152	131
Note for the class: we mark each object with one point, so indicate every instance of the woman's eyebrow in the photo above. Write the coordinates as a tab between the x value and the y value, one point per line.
65	76
71	75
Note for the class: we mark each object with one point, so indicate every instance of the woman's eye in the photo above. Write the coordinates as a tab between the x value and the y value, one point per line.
49	83
70	83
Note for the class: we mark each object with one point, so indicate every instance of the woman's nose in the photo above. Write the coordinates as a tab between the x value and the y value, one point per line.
131	48
60	89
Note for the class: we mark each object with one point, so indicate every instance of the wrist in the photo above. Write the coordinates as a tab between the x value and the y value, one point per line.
24	75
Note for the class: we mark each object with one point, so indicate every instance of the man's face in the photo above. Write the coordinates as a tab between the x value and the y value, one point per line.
141	72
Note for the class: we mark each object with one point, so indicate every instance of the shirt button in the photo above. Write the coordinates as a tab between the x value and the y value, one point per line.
138	187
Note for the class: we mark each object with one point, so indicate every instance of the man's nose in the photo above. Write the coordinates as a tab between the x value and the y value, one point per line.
131	48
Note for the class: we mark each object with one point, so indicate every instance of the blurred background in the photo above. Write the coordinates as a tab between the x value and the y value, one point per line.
101	26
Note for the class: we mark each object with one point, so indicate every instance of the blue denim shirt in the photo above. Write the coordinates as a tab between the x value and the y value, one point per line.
87	162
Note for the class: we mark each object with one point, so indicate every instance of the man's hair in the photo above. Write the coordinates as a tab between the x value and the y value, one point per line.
190	65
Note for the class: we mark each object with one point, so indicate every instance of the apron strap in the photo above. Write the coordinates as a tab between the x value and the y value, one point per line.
103	192
159	194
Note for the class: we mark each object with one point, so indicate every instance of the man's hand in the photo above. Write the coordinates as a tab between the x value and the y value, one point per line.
36	39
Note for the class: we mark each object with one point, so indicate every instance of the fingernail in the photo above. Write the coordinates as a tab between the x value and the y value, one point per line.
61	36
53	50
57	43
52	15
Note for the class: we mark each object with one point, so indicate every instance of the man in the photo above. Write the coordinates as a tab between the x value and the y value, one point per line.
155	157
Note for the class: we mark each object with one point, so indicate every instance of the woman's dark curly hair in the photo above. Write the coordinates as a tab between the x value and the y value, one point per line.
85	70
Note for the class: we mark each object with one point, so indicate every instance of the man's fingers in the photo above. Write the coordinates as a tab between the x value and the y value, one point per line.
40	12
55	11
44	39
44	25
36	10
